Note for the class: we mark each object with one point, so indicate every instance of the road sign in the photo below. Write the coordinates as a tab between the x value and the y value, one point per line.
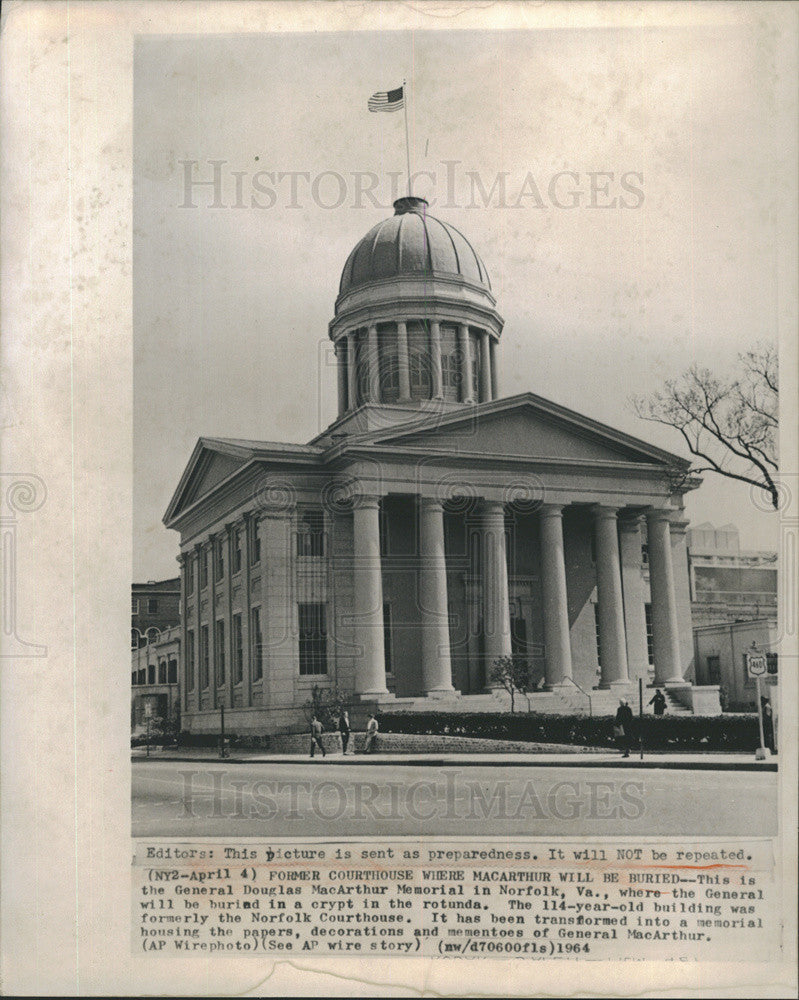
756	664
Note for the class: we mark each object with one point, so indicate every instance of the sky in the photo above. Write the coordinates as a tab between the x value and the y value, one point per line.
621	185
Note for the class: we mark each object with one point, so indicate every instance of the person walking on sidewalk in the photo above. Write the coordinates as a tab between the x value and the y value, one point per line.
371	734
316	736
344	729
623	727
658	702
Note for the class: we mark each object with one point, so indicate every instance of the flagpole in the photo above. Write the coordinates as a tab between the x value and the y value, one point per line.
407	140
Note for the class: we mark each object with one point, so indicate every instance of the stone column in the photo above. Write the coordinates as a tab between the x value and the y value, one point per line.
436	663
373	365
213	680
183	695
485	368
612	641
435	359
496	609
341	372
247	528
278	605
404	363
370	665
557	641
199	554
352	369
494	369
229	529
467	389
633	589
665	630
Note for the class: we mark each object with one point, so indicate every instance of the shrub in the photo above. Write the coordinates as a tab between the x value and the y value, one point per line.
675	732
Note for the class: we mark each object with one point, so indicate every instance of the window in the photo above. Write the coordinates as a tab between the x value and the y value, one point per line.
596	629
151	673
313	638
172	676
152	606
255	543
203	557
256	644
142	676
387	637
219	652
650	642
204	657
420	375
219	558
645	554
518	632
238	650
190	660
714	670
134	678
162	672
450	374
237	550
189	575
134	605
311	533
389	363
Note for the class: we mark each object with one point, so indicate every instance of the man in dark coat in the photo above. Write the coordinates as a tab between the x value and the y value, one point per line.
344	729
658	702
623	727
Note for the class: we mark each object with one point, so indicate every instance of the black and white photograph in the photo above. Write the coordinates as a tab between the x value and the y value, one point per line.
459	417
398	498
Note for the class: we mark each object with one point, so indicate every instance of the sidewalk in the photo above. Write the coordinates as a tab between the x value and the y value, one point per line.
587	758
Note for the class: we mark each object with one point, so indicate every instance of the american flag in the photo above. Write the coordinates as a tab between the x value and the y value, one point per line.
391	100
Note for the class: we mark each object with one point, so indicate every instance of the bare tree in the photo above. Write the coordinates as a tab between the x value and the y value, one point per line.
730	425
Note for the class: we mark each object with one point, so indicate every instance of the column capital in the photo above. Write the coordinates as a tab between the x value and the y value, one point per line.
277	511
182	557
630	522
365	501
605	512
551	510
658	514
431	503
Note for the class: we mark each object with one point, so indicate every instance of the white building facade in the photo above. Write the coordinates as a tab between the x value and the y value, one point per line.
432	529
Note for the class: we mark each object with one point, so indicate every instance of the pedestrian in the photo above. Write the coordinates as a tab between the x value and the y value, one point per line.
768	723
658	702
344	729
371	734
316	736
623	727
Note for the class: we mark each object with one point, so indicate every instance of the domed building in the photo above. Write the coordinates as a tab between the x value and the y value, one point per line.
432	529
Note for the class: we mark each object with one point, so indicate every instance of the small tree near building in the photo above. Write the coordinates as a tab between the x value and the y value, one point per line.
513	674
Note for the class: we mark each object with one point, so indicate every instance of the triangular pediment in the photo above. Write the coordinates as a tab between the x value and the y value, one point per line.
525	427
213	469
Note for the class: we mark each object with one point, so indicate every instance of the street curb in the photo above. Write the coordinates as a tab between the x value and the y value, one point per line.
582	760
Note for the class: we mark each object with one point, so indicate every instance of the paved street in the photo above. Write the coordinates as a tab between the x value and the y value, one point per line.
268	799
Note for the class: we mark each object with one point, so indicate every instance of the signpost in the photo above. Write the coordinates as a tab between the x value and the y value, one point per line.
148	711
756	667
